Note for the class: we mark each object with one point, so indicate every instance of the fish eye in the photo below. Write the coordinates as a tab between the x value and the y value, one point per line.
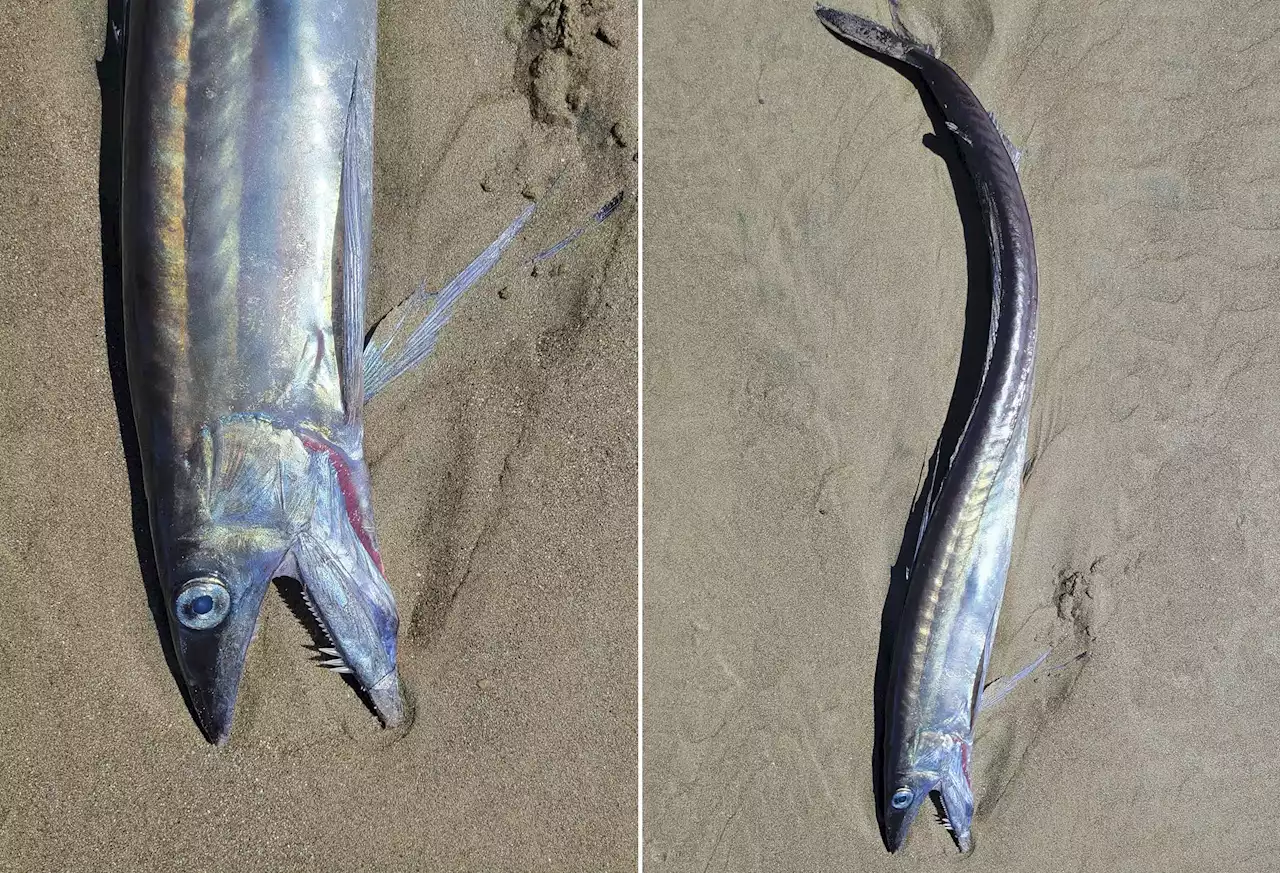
902	798
202	603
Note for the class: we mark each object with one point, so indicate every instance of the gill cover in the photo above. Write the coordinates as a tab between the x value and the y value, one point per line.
269	501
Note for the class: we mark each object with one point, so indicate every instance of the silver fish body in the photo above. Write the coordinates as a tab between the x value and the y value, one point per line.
956	581
245	223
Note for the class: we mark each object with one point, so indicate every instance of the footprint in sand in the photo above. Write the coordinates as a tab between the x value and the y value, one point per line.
1080	597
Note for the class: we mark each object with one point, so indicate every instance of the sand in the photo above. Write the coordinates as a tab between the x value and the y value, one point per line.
805	300
504	491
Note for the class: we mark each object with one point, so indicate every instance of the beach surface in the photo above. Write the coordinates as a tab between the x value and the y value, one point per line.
806	292
503	488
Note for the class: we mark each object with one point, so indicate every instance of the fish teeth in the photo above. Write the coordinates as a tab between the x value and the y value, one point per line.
335	662
311	608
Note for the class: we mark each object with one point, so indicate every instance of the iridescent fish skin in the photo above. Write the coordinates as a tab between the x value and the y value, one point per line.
956	582
245	223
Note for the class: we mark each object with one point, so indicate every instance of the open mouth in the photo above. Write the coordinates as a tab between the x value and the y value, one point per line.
383	699
323	646
963	841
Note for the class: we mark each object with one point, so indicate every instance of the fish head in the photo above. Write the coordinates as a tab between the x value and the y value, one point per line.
934	764
266	502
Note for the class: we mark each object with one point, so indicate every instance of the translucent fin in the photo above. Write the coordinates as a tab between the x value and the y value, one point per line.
596	218
389	354
1015	153
382	366
998	689
355	264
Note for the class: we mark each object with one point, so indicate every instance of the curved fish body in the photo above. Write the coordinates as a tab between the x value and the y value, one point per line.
245	224
948	624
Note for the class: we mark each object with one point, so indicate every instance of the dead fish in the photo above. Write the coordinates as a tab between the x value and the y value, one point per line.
245	224
956	581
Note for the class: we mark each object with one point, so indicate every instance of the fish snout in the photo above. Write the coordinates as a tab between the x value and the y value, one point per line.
212	619
214	708
387	700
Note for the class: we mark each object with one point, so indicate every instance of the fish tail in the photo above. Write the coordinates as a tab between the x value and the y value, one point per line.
864	32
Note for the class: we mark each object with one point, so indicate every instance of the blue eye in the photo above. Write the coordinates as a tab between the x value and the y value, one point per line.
902	798
202	603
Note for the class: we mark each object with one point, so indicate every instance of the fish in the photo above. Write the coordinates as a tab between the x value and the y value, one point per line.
245	240
939	658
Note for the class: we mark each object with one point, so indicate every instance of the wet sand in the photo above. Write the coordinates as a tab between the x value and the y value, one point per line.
504	491
805	306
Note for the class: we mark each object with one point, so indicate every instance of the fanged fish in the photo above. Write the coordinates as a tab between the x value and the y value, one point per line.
956	581
245	229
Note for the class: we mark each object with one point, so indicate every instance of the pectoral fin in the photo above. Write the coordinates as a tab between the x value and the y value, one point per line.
998	689
405	337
